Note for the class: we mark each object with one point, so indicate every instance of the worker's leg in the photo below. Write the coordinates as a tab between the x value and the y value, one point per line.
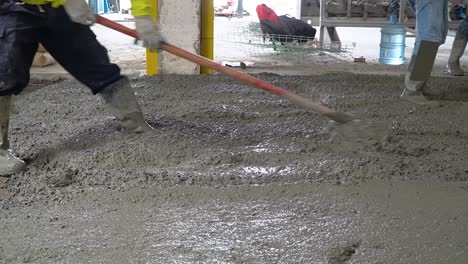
431	22
76	48
9	163
122	100
431	31
19	31
458	48
19	34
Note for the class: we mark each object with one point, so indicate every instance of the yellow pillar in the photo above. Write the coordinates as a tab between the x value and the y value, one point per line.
152	56
207	33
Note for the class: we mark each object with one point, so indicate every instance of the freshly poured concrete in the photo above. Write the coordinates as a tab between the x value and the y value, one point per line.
235	175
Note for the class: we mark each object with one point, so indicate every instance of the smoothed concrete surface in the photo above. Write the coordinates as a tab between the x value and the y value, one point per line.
375	222
235	175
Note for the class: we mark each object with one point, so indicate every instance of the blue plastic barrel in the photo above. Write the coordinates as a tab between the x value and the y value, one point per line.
392	43
94	6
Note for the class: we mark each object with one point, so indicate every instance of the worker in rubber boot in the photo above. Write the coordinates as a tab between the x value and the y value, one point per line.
458	48
431	31
63	28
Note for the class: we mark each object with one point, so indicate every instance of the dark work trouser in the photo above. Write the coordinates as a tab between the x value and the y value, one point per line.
72	45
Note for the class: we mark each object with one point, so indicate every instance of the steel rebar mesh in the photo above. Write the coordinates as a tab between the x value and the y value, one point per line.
244	40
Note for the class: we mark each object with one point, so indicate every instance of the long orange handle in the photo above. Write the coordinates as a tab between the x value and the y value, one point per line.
294	98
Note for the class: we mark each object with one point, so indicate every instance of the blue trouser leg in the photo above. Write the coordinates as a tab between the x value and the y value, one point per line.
431	22
19	36
73	45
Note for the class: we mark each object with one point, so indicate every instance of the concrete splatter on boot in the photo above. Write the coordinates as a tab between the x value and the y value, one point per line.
458	48
418	73
9	163
413	92
121	98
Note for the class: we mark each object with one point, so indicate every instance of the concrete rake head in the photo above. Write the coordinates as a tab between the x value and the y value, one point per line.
362	134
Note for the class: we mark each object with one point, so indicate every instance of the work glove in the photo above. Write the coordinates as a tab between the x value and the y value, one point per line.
80	12
148	31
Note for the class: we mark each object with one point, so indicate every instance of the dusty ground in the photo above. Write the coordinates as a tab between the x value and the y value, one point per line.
234	175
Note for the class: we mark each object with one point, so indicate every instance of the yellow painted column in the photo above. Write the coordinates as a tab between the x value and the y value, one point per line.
207	32
152	56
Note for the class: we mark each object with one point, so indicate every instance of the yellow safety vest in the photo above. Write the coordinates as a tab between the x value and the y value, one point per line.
139	7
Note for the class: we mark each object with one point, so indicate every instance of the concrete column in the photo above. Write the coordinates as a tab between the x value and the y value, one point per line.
180	23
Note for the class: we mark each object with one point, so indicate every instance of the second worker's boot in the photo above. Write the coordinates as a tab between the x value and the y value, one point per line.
122	100
9	163
458	48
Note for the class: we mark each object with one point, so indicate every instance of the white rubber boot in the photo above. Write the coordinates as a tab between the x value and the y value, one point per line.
9	163
458	48
121	98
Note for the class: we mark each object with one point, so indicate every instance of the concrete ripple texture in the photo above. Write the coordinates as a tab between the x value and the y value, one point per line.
235	175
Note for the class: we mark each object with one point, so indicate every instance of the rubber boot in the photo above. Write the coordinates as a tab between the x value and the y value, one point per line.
9	163
458	48
121	98
418	73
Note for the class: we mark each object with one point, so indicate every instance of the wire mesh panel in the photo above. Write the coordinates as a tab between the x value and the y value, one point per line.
290	43
245	40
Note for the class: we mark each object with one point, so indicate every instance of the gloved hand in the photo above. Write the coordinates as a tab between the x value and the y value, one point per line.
80	12
148	31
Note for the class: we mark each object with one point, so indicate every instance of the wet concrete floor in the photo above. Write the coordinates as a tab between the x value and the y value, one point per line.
235	175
